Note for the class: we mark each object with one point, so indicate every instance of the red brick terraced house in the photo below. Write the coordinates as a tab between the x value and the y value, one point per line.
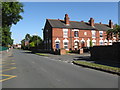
73	35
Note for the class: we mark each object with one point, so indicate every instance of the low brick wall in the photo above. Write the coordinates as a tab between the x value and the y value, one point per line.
109	53
80	51
62	52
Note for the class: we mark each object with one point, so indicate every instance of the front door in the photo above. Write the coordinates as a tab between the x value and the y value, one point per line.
82	44
57	45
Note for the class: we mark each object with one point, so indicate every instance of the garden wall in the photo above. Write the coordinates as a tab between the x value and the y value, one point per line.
109	53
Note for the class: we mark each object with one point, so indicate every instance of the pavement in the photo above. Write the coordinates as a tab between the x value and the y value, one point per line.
68	57
34	71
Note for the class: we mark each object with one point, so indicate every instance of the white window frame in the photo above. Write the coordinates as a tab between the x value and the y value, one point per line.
65	33
93	34
101	42
57	40
65	45
77	33
88	42
65	41
82	40
101	33
93	42
105	42
110	42
85	33
75	30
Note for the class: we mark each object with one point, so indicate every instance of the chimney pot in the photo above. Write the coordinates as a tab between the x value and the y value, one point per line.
110	24
66	19
91	21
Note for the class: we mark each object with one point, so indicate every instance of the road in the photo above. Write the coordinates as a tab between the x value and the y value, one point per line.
27	70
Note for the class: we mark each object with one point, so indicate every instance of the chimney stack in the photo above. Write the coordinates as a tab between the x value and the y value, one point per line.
91	21
111	24
67	22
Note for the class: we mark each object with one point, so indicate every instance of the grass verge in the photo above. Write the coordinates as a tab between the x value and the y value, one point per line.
41	54
98	66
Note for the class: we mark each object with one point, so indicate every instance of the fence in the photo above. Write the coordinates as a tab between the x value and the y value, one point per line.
3	48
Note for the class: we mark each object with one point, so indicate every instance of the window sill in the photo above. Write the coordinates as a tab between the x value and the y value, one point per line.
76	37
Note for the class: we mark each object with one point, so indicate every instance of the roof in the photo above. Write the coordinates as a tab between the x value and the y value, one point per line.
77	25
102	27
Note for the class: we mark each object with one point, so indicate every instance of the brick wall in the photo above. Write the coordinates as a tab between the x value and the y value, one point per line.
106	53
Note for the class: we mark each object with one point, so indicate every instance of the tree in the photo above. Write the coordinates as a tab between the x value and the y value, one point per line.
32	41
91	43
115	32
10	15
6	36
32	44
27	37
37	40
27	41
23	44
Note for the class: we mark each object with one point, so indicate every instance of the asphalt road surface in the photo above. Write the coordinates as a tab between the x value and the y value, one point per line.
25	70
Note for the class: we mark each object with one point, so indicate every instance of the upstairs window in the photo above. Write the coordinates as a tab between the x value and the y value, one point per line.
76	34
65	33
101	33
93	34
85	33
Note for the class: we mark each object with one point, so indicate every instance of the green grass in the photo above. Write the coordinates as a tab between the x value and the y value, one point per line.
41	54
104	67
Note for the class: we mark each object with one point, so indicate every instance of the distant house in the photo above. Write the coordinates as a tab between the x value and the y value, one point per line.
73	35
17	46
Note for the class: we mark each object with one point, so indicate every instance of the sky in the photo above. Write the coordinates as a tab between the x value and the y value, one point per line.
36	13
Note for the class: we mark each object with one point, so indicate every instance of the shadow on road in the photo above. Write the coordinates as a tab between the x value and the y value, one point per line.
28	52
86	58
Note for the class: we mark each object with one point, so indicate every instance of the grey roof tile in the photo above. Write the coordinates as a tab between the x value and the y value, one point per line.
77	25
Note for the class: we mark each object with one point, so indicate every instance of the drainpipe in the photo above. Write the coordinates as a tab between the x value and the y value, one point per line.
71	39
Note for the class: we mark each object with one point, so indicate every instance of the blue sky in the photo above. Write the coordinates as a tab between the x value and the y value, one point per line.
36	13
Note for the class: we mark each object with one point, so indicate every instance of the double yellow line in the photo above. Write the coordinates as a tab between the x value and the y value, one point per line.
9	77
6	64
8	69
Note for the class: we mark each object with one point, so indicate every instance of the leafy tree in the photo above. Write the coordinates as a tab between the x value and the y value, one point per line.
23	44
6	36
32	44
27	37
10	15
91	43
34	41
115	32
37	40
